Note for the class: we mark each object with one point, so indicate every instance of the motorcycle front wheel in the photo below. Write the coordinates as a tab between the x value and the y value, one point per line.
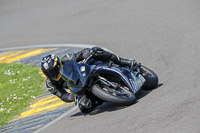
151	79
122	96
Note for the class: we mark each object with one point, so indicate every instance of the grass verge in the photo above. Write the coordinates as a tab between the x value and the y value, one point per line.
19	85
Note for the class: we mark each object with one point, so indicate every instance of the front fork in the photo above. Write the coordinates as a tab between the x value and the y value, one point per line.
106	82
116	87
76	100
137	69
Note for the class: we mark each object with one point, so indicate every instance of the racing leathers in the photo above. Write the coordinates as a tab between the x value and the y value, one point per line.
58	88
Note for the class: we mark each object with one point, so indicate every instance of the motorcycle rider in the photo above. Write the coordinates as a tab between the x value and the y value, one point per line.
51	64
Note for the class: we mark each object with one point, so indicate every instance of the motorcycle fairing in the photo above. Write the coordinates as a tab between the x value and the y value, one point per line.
75	75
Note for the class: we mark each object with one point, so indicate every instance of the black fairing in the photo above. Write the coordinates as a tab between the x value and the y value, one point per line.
76	75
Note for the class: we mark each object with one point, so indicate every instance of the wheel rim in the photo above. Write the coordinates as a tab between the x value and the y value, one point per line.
121	91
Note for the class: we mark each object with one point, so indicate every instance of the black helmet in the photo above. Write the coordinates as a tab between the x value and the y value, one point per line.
50	66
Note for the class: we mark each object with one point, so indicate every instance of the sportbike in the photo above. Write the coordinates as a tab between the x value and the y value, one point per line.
107	81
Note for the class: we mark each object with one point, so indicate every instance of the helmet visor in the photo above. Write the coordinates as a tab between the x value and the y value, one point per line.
52	73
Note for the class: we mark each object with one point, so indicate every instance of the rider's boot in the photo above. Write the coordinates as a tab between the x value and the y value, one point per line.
121	61
127	62
67	97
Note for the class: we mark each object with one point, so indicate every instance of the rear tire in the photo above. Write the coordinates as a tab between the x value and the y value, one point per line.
151	79
108	97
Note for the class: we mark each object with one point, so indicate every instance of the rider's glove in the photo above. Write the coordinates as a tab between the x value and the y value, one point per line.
87	53
67	57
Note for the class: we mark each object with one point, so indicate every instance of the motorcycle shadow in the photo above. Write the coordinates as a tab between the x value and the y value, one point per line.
143	93
105	107
109	107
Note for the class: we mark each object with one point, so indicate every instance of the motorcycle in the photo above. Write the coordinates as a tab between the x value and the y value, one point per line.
107	81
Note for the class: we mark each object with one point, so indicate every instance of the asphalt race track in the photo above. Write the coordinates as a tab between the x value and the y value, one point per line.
163	35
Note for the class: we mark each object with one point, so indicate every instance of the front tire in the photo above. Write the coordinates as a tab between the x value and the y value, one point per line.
100	92
151	79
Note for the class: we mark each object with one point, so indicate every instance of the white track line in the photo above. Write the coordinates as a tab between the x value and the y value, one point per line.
57	119
53	46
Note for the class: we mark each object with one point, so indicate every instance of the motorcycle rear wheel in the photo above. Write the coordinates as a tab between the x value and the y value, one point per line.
102	92
151	79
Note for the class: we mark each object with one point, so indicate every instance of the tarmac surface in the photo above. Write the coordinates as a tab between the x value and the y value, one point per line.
162	35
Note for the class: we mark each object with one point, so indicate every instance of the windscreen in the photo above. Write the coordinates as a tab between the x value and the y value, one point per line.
71	73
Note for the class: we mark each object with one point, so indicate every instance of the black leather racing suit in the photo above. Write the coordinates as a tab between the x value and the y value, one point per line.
97	53
58	88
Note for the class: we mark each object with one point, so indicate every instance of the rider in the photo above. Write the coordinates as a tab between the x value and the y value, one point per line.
50	66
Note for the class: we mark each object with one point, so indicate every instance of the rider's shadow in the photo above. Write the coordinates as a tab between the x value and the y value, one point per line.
108	107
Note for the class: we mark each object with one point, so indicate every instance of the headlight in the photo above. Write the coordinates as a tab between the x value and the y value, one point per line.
82	69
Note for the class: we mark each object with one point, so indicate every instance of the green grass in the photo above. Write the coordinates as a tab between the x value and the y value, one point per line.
19	85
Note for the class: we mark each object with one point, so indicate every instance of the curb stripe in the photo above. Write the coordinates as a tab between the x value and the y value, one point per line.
34	60
5	53
40	103
49	108
46	98
28	54
13	53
